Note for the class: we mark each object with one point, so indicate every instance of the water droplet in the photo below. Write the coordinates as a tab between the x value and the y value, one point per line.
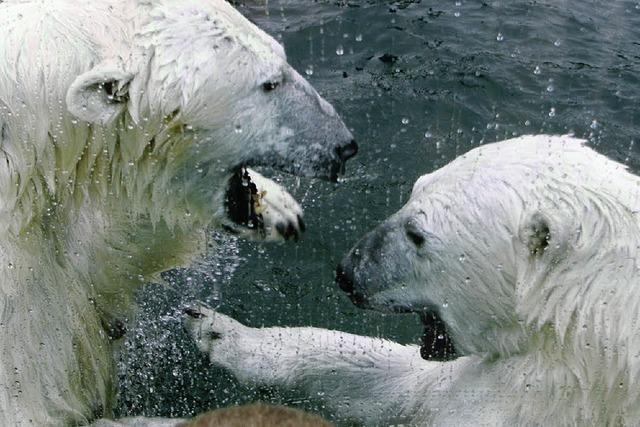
340	50
537	70
499	37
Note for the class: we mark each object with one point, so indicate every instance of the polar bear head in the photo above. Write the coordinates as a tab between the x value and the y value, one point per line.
163	98
208	69
219	79
509	244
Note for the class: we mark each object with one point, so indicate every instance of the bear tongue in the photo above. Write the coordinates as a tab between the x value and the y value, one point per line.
436	344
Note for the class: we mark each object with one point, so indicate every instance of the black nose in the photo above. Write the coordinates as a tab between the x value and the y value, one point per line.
344	279
346	152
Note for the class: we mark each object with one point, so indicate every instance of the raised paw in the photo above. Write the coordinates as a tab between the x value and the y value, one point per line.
260	208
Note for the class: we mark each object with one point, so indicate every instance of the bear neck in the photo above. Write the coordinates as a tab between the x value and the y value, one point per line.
99	259
117	251
590	348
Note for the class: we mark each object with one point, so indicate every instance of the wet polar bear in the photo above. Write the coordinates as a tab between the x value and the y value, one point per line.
123	123
527	250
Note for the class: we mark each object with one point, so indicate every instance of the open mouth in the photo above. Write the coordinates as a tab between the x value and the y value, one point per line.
436	344
259	208
243	201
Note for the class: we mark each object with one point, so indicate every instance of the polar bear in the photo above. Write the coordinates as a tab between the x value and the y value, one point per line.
527	251
126	127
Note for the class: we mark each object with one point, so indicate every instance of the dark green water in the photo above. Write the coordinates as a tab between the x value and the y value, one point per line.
456	75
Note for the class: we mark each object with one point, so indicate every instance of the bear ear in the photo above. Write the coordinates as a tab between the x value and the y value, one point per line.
536	234
100	95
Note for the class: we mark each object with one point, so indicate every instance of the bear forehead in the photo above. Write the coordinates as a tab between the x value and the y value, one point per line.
528	162
174	22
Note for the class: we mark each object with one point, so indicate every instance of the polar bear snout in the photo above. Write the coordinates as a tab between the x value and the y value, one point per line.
361	273
383	271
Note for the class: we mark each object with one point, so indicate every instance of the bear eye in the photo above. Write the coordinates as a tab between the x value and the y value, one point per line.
269	86
416	238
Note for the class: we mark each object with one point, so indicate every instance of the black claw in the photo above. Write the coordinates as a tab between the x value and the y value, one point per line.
288	231
301	224
230	230
193	313
292	232
281	229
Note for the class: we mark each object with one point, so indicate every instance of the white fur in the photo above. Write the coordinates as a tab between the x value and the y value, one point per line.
120	122
548	336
